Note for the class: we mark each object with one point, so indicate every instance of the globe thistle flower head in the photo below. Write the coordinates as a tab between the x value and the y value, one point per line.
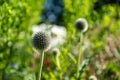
92	77
57	33
56	52
41	40
81	24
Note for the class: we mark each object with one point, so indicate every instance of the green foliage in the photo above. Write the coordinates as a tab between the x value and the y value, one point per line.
16	17
101	45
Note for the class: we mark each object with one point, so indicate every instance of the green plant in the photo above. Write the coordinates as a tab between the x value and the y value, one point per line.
100	45
82	26
16	19
41	42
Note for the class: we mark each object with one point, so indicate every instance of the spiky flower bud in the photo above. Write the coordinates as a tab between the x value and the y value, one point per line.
41	40
81	24
92	77
56	52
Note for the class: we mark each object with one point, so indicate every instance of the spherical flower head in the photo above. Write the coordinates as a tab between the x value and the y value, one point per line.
56	52
41	40
92	77
81	24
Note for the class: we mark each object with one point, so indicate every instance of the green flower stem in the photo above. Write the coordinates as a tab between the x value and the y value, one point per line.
79	54
59	67
41	64
58	62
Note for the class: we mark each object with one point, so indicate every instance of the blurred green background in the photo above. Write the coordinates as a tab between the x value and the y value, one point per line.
102	41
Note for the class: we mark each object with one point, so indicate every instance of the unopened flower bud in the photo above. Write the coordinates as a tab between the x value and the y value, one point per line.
81	24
